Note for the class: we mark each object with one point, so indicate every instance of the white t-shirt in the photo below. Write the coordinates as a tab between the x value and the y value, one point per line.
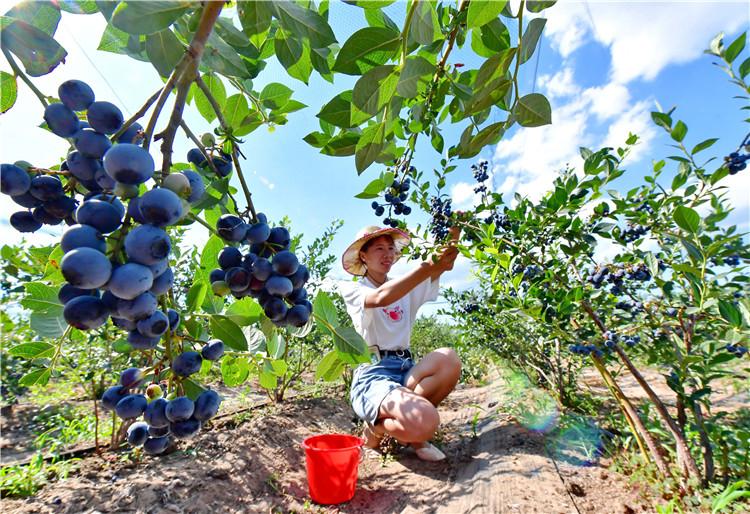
388	328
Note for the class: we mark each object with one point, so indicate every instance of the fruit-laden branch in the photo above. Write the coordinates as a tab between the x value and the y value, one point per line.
235	158
194	53
683	453
165	92
19	73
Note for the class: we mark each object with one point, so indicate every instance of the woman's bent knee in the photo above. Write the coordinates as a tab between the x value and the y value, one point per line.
450	360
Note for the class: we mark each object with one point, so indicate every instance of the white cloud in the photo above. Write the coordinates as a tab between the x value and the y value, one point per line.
534	157
559	85
608	101
643	37
463	196
636	120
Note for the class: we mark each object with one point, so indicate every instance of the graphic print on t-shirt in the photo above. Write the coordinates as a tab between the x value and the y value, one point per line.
395	314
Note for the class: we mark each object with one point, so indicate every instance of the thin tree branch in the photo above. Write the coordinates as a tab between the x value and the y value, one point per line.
194	53
235	159
135	117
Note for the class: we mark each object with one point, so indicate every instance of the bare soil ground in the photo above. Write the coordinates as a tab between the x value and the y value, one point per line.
253	462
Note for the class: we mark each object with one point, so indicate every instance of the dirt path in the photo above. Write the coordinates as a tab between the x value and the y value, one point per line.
254	463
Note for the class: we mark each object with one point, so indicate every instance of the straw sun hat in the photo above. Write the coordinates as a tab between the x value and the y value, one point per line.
351	261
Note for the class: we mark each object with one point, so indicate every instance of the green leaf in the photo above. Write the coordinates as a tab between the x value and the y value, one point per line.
223	59
49	323
539	5
218	92
377	18
338	111
744	68
533	110
347	340
324	312
662	119
41	298
136	17
424	28
228	331
490	39
734	49
236	110
36	377
417	72
196	295
342	145
483	11
267	380
117	41
703	145
679	131
730	313
316	139
274	95
192	388
234	370
530	38
687	218
208	260
275	345
229	33
38	52
372	190
367	48
8	91
164	51
374	89
43	15
244	312
304	22
255	16
369	146
330	367
489	135
34	350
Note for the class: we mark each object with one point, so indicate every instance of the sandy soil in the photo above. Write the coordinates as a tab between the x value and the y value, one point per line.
253	462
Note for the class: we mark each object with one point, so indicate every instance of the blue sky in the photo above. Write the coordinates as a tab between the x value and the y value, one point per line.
603	65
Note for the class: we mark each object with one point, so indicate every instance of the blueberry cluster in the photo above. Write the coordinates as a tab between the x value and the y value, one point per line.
221	160
440	210
645	207
633	233
163	420
395	196
480	175
732	260
585	349
633	307
617	276
737	350
44	194
268	272
736	162
501	221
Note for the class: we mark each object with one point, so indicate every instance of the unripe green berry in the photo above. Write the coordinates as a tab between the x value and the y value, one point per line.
220	288
153	392
24	165
208	139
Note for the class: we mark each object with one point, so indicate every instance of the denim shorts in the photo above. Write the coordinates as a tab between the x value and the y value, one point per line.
371	383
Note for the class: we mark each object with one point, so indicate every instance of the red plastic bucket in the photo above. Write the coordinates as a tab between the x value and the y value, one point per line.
332	461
